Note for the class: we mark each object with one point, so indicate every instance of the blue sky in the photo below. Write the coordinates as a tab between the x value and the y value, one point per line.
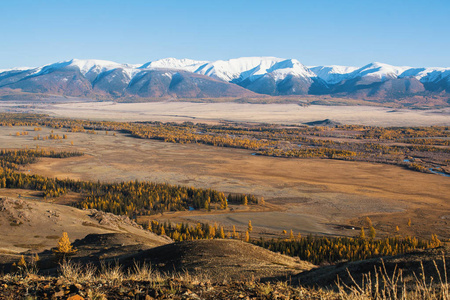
321	32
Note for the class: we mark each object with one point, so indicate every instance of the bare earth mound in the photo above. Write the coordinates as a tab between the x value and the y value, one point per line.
409	264
221	260
217	260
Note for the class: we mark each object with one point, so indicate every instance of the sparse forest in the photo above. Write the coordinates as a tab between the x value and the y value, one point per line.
319	250
129	198
423	149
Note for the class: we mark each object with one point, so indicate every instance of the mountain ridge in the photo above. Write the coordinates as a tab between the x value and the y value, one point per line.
239	77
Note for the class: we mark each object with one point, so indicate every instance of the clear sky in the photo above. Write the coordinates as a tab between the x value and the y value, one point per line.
316	32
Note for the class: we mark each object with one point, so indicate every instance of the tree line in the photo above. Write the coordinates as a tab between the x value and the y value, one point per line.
130	198
315	249
333	249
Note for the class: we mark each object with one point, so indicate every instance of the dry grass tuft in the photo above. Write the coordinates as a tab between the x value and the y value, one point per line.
384	286
112	273
75	272
144	272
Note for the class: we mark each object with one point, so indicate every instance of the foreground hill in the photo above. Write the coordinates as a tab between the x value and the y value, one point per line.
245	77
207	276
220	259
431	264
123	261
215	259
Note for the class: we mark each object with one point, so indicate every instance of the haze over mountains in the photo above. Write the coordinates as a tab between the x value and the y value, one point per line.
241	77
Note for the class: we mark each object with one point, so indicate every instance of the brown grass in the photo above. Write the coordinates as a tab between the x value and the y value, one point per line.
142	282
312	196
393	286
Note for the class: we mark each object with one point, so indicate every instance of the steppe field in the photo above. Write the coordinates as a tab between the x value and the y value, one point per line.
318	196
171	111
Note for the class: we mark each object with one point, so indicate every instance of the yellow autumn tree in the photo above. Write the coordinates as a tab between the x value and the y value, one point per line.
64	245
362	234
291	235
372	232
247	237
221	233
261	201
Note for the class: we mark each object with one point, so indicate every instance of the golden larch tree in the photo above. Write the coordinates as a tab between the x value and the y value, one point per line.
221	233
362	234
247	236
64	245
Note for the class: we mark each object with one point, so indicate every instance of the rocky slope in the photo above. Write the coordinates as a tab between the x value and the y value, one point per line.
34	226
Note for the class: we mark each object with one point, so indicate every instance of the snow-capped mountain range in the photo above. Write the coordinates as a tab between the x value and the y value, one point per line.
241	77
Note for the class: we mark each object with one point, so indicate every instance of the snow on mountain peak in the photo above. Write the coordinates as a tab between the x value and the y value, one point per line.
15	69
380	71
243	67
92	67
333	74
252	68
89	65
292	67
372	72
174	63
427	74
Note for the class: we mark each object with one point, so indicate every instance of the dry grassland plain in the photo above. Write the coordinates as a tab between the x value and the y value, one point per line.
315	196
169	111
